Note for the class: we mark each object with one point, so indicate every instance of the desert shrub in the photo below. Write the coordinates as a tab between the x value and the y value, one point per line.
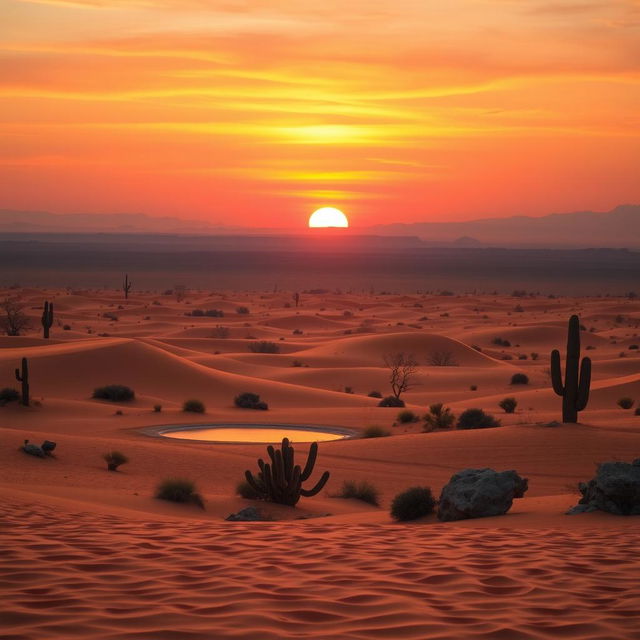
208	313
508	404
407	416
193	406
114	393
374	394
535	356
442	359
500	342
519	378
362	490
518	308
243	311
179	490
8	395
633	347
391	401
264	346
220	332
625	403
114	459
412	503
522	356
296	363
439	417
245	490
157	408
66	327
297	332
249	400
476	419
349	390
374	431
110	316
473	387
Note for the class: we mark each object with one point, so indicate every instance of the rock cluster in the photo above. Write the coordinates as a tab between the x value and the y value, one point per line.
615	488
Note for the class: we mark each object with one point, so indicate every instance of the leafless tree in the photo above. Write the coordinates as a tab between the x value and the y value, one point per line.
442	359
12	319
180	291
402	367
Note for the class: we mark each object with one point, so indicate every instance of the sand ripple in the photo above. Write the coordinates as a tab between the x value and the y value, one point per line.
101	577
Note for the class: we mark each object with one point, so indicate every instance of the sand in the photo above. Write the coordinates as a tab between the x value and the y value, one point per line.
91	554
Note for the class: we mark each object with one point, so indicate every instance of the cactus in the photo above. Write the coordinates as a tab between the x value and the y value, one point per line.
575	390
126	286
281	481
47	318
296	298
23	377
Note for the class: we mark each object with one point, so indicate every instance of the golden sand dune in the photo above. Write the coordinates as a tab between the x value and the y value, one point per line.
89	554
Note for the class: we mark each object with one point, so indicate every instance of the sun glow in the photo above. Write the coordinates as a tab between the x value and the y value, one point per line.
328	217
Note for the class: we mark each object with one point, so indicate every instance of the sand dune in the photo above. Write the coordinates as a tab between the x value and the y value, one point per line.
89	554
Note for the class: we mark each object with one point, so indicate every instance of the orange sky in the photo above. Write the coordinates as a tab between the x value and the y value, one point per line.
255	113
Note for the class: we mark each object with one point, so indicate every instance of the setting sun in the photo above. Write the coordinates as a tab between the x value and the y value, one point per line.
328	217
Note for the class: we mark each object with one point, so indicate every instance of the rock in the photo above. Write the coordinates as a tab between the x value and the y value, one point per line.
477	493
615	489
248	514
48	446
33	449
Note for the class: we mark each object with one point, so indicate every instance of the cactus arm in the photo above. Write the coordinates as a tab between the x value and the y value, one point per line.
320	484
311	461
556	373
584	384
254	483
18	378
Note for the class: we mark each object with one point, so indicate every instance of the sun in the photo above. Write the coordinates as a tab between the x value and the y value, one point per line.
328	217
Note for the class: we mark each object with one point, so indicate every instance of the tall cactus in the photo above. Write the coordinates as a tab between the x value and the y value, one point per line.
575	390
126	286
23	377
281	481
47	318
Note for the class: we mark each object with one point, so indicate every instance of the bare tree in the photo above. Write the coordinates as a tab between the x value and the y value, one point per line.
402	367
180	291
442	359
12	319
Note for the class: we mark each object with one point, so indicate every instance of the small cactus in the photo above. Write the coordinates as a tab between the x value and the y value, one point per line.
22	375
296	298
281	481
575	390
126	286
47	318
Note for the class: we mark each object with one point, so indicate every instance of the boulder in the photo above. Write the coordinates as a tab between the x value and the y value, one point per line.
615	489
478	493
248	514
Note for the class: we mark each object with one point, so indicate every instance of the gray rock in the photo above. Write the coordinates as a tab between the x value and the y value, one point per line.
477	493
615	489
248	514
33	449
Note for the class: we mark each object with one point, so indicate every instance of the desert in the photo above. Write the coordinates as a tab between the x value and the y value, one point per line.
89	553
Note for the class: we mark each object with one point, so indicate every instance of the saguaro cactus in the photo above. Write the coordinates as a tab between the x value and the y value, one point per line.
281	481
23	377
126	286
47	318
575	390
296	298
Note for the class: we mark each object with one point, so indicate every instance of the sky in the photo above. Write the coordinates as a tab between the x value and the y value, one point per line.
256	113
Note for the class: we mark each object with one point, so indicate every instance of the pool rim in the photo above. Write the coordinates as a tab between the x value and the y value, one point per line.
160	431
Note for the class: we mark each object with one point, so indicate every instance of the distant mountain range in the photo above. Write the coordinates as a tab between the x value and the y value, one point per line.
618	228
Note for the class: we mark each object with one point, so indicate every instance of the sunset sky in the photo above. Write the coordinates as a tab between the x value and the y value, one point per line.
255	113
